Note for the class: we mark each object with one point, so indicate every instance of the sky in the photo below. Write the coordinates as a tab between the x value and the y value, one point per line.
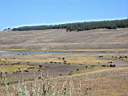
14	13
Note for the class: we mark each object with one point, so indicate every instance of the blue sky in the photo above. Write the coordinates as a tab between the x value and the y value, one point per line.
31	12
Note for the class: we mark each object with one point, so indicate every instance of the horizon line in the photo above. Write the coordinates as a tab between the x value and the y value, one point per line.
65	22
71	21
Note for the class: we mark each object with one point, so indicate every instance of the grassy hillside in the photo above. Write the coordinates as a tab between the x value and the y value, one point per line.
59	39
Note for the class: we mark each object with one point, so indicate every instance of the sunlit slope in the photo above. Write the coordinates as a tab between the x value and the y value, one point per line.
60	39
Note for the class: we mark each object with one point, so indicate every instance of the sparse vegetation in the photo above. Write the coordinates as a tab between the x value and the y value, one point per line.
71	85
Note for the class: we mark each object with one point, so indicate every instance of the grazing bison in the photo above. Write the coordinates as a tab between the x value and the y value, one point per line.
65	62
63	58
110	62
1	74
26	71
40	66
100	56
86	67
104	65
112	65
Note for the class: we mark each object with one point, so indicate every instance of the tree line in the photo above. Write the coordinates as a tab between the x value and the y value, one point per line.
79	26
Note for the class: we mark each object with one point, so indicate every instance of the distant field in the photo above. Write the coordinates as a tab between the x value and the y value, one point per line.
59	39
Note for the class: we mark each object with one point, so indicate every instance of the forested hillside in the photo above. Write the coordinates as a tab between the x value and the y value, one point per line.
80	26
